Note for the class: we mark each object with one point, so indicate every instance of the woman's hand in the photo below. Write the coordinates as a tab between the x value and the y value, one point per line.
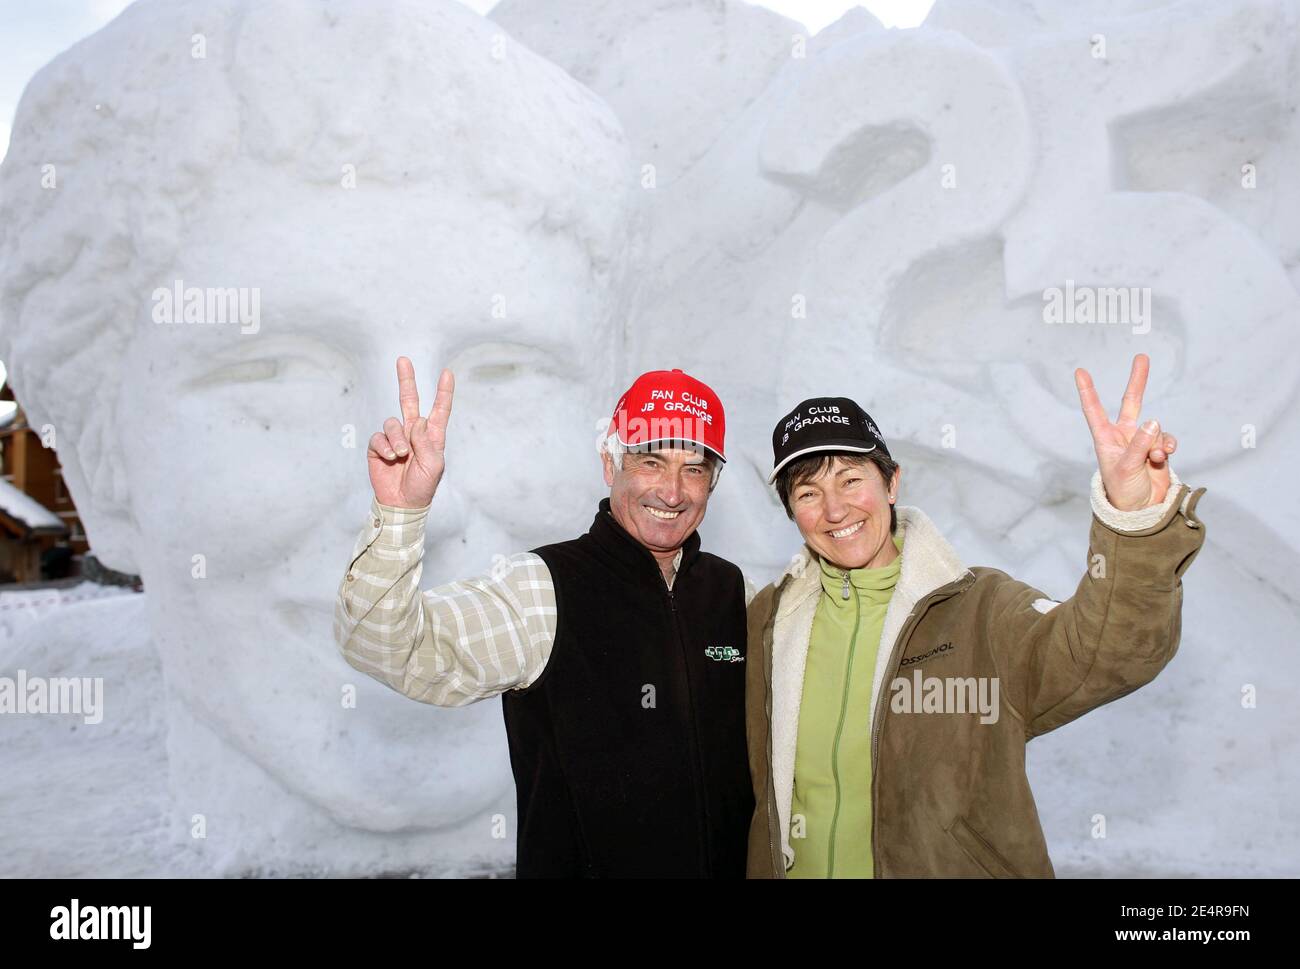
1134	461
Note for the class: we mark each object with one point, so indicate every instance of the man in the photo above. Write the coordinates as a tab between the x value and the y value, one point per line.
618	655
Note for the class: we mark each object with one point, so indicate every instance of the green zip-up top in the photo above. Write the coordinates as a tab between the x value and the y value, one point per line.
832	771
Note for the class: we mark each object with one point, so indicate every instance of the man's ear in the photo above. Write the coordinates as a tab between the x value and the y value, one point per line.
898	477
608	464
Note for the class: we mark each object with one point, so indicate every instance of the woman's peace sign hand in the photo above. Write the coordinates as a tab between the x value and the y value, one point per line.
1134	461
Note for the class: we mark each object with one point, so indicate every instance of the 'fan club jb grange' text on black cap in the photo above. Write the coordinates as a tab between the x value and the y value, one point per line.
823	424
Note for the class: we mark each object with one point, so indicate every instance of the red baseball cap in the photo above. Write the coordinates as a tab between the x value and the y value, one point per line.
667	407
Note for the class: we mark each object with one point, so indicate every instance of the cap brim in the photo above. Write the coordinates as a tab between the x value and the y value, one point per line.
672	440
852	447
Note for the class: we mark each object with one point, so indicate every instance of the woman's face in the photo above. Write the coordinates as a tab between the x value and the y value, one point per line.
843	513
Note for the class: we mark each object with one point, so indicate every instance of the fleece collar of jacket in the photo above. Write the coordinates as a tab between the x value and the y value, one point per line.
929	562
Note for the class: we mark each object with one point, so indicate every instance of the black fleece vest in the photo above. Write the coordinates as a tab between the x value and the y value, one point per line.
629	750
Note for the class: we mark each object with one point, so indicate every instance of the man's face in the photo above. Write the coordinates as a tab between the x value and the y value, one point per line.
248	450
843	514
659	497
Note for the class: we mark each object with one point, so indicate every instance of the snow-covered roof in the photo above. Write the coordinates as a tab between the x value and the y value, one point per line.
28	510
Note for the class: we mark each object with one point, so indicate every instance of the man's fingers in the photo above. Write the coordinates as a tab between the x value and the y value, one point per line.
379	445
1093	412
440	413
396	435
421	433
1131	406
406	392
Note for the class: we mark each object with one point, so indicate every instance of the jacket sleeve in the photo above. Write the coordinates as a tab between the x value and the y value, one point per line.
451	645
1058	660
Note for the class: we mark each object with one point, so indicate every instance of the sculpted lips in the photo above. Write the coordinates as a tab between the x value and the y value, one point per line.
848	531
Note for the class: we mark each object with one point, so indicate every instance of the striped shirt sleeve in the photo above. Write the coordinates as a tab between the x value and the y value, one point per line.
451	645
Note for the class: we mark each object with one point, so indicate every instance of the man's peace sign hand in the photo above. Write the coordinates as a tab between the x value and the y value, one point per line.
405	459
1134	461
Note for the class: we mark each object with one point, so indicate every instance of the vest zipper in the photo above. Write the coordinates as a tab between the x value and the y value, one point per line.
839	729
700	800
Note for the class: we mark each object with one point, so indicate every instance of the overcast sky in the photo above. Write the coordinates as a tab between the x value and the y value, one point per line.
33	31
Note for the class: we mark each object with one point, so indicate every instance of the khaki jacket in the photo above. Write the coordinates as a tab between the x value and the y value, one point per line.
950	796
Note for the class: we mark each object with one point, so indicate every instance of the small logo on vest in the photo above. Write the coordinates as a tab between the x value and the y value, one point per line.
724	654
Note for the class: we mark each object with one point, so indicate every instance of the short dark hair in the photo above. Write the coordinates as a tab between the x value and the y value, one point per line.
801	470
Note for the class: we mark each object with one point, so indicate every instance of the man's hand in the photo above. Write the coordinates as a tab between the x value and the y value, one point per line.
405	459
1134	461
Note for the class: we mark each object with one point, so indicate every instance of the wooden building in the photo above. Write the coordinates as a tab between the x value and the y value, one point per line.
39	524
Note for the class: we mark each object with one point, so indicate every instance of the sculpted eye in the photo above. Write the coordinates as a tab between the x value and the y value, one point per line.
502	362
244	371
294	363
499	370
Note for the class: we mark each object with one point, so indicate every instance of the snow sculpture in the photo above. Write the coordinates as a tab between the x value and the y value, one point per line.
370	179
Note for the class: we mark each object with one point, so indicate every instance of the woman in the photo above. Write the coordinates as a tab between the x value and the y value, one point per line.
891	690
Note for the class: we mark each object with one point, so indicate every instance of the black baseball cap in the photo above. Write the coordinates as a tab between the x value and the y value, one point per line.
823	424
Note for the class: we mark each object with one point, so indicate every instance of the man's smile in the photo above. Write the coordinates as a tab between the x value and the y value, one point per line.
661	514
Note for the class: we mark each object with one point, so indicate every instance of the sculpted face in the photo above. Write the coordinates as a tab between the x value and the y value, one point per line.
368	180
247	449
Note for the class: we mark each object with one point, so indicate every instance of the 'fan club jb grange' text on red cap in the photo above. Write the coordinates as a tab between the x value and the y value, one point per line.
669	408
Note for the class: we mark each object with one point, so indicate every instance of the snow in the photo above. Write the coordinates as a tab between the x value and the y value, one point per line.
878	218
23	607
28	510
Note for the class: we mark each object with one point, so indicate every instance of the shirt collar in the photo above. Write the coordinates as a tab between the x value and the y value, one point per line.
677	564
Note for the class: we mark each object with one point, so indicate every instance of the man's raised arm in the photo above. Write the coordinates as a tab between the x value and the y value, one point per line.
455	644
